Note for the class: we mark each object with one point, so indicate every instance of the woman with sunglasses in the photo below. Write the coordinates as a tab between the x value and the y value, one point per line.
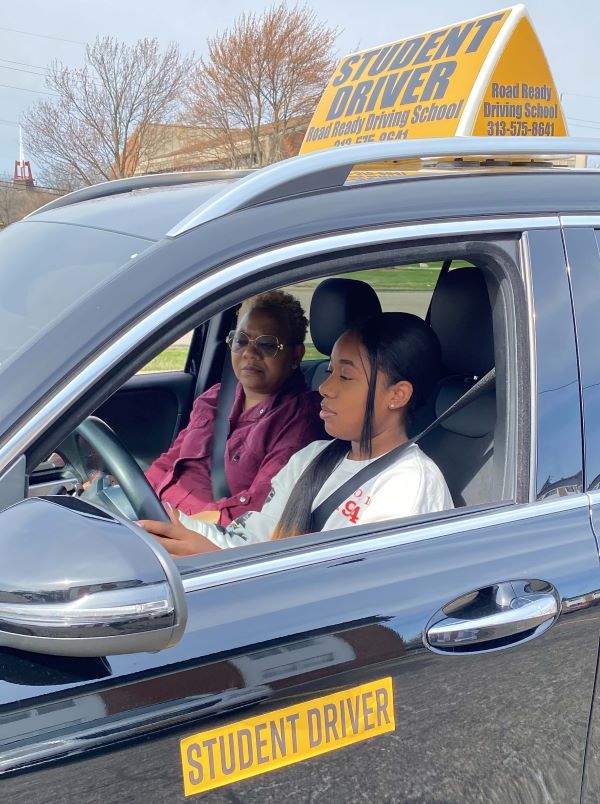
274	414
378	374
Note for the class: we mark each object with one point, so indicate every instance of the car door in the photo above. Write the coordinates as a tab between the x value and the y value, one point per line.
149	410
400	699
582	246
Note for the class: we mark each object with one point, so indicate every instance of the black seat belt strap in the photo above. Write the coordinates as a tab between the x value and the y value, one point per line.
324	510
218	479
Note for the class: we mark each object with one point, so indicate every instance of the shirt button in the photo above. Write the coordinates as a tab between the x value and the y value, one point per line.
261	411
235	458
242	499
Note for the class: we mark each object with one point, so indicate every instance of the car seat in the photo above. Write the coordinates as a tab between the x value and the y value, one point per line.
337	304
463	445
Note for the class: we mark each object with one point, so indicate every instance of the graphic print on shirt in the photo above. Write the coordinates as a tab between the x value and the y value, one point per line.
352	509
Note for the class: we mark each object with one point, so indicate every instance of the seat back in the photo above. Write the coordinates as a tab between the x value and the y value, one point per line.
463	446
337	305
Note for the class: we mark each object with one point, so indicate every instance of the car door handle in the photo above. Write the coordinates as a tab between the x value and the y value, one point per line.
518	612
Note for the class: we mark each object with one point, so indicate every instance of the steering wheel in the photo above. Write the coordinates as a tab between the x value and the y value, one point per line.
121	465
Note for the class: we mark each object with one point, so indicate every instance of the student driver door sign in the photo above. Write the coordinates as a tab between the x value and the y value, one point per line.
283	737
485	76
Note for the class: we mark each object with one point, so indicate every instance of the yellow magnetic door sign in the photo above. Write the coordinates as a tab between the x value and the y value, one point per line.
266	742
486	76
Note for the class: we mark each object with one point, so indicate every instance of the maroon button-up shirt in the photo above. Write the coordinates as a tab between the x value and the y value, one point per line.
261	441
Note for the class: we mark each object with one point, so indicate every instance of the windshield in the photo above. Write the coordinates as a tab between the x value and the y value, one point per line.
45	268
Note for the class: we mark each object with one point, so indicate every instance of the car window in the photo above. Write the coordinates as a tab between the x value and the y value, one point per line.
474	449
173	358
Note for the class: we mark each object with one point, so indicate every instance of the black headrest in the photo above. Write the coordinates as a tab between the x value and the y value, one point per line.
461	317
338	304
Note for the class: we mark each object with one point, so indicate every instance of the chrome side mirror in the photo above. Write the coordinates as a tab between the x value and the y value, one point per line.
75	581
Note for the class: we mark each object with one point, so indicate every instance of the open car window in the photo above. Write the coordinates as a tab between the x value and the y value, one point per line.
469	302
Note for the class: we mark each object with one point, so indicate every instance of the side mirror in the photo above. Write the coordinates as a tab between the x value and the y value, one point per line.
75	581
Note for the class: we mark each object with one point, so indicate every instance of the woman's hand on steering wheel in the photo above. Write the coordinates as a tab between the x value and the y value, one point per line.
178	540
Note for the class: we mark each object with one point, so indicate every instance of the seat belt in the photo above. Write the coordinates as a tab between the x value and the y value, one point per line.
324	510
218	479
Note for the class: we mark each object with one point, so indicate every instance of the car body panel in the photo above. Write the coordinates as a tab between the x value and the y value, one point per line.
581	246
144	213
496	697
558	435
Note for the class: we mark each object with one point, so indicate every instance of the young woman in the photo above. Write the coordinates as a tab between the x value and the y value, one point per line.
379	373
274	414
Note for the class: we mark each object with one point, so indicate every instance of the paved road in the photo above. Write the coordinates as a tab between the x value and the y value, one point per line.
408	301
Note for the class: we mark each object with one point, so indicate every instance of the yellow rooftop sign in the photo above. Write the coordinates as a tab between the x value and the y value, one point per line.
485	76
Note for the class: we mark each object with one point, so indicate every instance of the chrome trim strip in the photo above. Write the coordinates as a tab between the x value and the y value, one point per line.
361	545
103	607
594	497
330	168
117	727
580	220
532	368
91	373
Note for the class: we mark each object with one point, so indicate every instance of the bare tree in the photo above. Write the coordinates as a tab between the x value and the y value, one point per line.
260	77
58	176
18	201
101	126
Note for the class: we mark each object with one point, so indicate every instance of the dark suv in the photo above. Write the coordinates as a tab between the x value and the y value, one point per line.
446	657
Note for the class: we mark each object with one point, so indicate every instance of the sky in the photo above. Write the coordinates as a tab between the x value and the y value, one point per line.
35	32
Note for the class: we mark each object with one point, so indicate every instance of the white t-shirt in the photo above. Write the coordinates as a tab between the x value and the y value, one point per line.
412	485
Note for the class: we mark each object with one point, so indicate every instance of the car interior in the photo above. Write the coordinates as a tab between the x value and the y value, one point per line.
464	301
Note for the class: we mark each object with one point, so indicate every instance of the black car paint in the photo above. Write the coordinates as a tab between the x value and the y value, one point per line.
559	452
523	712
583	256
495	696
584	263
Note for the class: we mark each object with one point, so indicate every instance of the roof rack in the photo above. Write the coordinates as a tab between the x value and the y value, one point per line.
330	168
150	181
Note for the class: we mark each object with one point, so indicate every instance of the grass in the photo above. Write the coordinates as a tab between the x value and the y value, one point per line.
311	353
404	277
172	359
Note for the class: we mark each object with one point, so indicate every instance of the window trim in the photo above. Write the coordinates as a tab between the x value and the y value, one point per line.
461	520
533	390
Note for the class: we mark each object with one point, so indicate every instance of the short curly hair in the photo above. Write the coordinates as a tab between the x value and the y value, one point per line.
284	307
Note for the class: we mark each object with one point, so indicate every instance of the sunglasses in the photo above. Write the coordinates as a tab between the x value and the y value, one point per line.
267	345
